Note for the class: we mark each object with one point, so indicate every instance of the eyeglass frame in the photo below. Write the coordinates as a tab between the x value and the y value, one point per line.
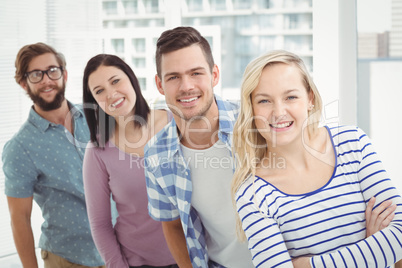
43	73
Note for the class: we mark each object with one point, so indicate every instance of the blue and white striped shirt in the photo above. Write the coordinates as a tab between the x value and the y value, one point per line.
328	223
169	183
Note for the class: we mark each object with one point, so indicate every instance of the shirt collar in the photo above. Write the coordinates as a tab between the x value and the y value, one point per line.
43	124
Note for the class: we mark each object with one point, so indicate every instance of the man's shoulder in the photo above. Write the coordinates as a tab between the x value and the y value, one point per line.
17	149
25	132
229	108
163	141
229	104
77	110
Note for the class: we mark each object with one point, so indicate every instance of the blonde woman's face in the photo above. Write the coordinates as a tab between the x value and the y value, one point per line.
280	104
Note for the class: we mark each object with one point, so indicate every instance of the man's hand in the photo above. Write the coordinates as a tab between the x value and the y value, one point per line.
176	241
20	213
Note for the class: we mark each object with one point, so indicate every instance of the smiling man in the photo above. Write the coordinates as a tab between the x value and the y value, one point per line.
189	163
43	162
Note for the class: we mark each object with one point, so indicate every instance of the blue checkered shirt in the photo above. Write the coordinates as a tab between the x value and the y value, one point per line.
169	183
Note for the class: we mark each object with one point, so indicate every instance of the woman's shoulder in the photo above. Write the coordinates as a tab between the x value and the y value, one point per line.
93	149
247	188
344	131
158	115
159	119
347	137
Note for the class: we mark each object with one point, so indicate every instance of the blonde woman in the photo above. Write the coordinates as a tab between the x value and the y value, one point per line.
304	192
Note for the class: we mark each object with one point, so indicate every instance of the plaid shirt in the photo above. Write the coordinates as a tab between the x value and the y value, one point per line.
169	183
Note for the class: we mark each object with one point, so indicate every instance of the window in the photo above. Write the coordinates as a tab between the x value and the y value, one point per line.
194	5
138	45
138	63
298	43
142	81
130	7
151	6
218	5
267	22
118	45
264	4
110	8
266	43
297	3
242	4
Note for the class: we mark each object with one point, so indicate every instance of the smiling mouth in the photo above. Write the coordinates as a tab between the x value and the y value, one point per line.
188	100
282	125
117	102
48	90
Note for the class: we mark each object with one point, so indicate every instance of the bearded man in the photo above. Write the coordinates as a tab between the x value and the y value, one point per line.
43	162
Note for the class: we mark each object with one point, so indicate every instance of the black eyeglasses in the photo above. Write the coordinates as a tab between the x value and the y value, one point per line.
54	73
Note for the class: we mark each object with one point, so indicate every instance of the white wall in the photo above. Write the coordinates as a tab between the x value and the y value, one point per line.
385	113
335	58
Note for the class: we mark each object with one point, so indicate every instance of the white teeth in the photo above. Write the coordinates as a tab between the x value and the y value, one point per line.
283	125
47	90
189	100
117	102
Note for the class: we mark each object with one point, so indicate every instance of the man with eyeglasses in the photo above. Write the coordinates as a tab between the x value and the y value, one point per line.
43	162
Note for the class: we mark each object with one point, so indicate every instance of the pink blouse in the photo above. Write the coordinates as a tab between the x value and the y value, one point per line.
135	239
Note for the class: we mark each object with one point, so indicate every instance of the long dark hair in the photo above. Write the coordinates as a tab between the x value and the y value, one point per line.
100	124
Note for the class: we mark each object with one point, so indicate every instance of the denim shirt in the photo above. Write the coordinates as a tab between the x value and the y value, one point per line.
44	160
169	183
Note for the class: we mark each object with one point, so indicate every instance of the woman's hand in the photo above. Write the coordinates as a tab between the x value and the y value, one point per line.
380	217
376	220
301	262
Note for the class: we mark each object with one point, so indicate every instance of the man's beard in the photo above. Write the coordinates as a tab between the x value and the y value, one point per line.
48	106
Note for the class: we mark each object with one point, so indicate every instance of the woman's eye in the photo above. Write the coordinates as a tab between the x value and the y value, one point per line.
99	91
263	101
292	97
115	81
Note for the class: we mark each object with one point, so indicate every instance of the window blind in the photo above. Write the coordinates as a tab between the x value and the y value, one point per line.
71	27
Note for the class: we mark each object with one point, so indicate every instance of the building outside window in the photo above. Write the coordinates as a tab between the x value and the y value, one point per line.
130	7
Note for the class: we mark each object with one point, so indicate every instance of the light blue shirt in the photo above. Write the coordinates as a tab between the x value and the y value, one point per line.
169	183
43	159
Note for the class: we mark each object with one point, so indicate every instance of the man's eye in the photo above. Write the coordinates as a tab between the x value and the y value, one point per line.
36	74
53	70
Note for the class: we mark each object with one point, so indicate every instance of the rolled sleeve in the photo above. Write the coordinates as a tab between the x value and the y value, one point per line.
161	206
19	170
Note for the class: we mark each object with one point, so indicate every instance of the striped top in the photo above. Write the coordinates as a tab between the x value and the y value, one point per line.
328	223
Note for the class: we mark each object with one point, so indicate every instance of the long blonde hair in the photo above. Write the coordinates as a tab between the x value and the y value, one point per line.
249	147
